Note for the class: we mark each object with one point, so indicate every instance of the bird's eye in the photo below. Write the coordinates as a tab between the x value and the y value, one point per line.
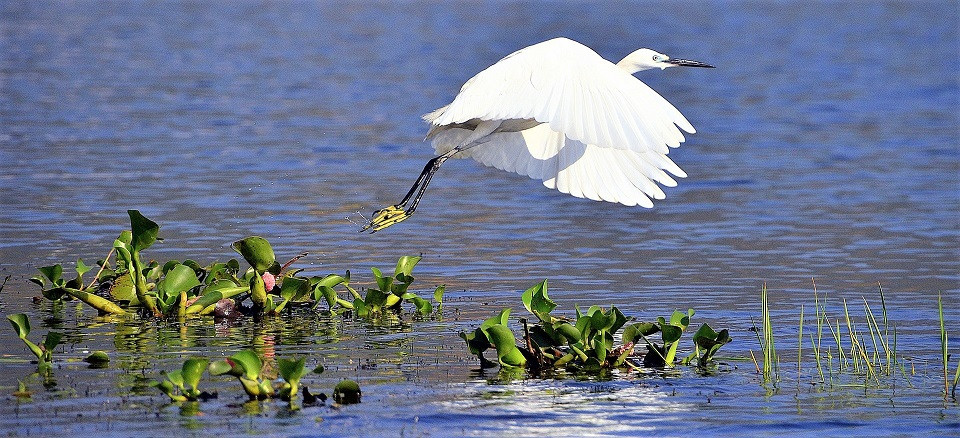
658	58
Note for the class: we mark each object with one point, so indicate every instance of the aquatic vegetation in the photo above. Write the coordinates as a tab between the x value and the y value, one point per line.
44	351
347	392
97	359
586	344
248	368
188	288
390	293
181	385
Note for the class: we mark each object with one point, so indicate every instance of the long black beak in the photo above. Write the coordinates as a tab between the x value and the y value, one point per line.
688	63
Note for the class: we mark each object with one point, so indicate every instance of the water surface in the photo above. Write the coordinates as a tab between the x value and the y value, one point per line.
827	148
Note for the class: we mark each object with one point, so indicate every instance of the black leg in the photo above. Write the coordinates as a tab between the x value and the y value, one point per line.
393	214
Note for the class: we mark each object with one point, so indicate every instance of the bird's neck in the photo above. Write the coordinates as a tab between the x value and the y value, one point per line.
628	65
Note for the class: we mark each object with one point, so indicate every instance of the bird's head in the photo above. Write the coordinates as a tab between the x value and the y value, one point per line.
646	59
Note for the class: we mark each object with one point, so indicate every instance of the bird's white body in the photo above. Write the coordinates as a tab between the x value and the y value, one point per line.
558	112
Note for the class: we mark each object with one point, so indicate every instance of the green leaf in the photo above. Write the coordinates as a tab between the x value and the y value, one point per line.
294	288
671	333
53	273
502	318
704	336
375	299
21	324
328	294
192	371
347	392
179	279
681	320
423	306
98	357
329	281
143	231
52	340
123	289
257	252
568	331
82	268
176	377
360	307
506	344
537	302
438	296
383	283
633	332
249	362
405	265
219	367
619	319
292	370
477	341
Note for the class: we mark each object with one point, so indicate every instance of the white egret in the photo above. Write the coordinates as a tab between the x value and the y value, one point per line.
558	112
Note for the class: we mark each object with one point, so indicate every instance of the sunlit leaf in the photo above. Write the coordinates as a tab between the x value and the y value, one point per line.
292	370
180	278
82	268
502	318
383	283
438	296
192	371
506	344
405	265
123	290
250	362
568	331
175	377
98	357
219	367
21	324
256	251
537	302
294	288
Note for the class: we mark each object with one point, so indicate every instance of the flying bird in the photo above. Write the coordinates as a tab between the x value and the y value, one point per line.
558	112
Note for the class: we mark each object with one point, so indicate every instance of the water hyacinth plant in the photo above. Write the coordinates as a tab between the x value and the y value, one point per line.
182	385
586	344
221	288
44	351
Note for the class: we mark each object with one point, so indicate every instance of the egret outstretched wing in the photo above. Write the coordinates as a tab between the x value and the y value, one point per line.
586	171
567	85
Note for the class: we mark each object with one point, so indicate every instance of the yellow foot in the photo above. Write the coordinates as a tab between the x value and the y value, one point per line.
385	217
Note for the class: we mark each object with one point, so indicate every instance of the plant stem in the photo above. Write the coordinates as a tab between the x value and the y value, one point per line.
102	304
104	265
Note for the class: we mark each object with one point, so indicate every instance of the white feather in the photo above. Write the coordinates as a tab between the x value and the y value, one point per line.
603	134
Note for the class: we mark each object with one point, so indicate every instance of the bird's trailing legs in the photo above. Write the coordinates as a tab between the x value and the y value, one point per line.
394	214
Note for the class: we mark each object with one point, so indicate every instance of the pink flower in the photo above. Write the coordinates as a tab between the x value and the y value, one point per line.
269	281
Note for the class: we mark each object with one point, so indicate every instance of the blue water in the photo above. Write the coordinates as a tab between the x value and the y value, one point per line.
828	147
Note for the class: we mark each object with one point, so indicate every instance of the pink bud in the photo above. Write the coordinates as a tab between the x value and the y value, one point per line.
269	281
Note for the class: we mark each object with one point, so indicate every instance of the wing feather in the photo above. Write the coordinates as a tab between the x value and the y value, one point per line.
567	85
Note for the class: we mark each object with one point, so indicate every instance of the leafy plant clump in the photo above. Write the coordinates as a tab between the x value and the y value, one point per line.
221	288
183	385
587	343
44	351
